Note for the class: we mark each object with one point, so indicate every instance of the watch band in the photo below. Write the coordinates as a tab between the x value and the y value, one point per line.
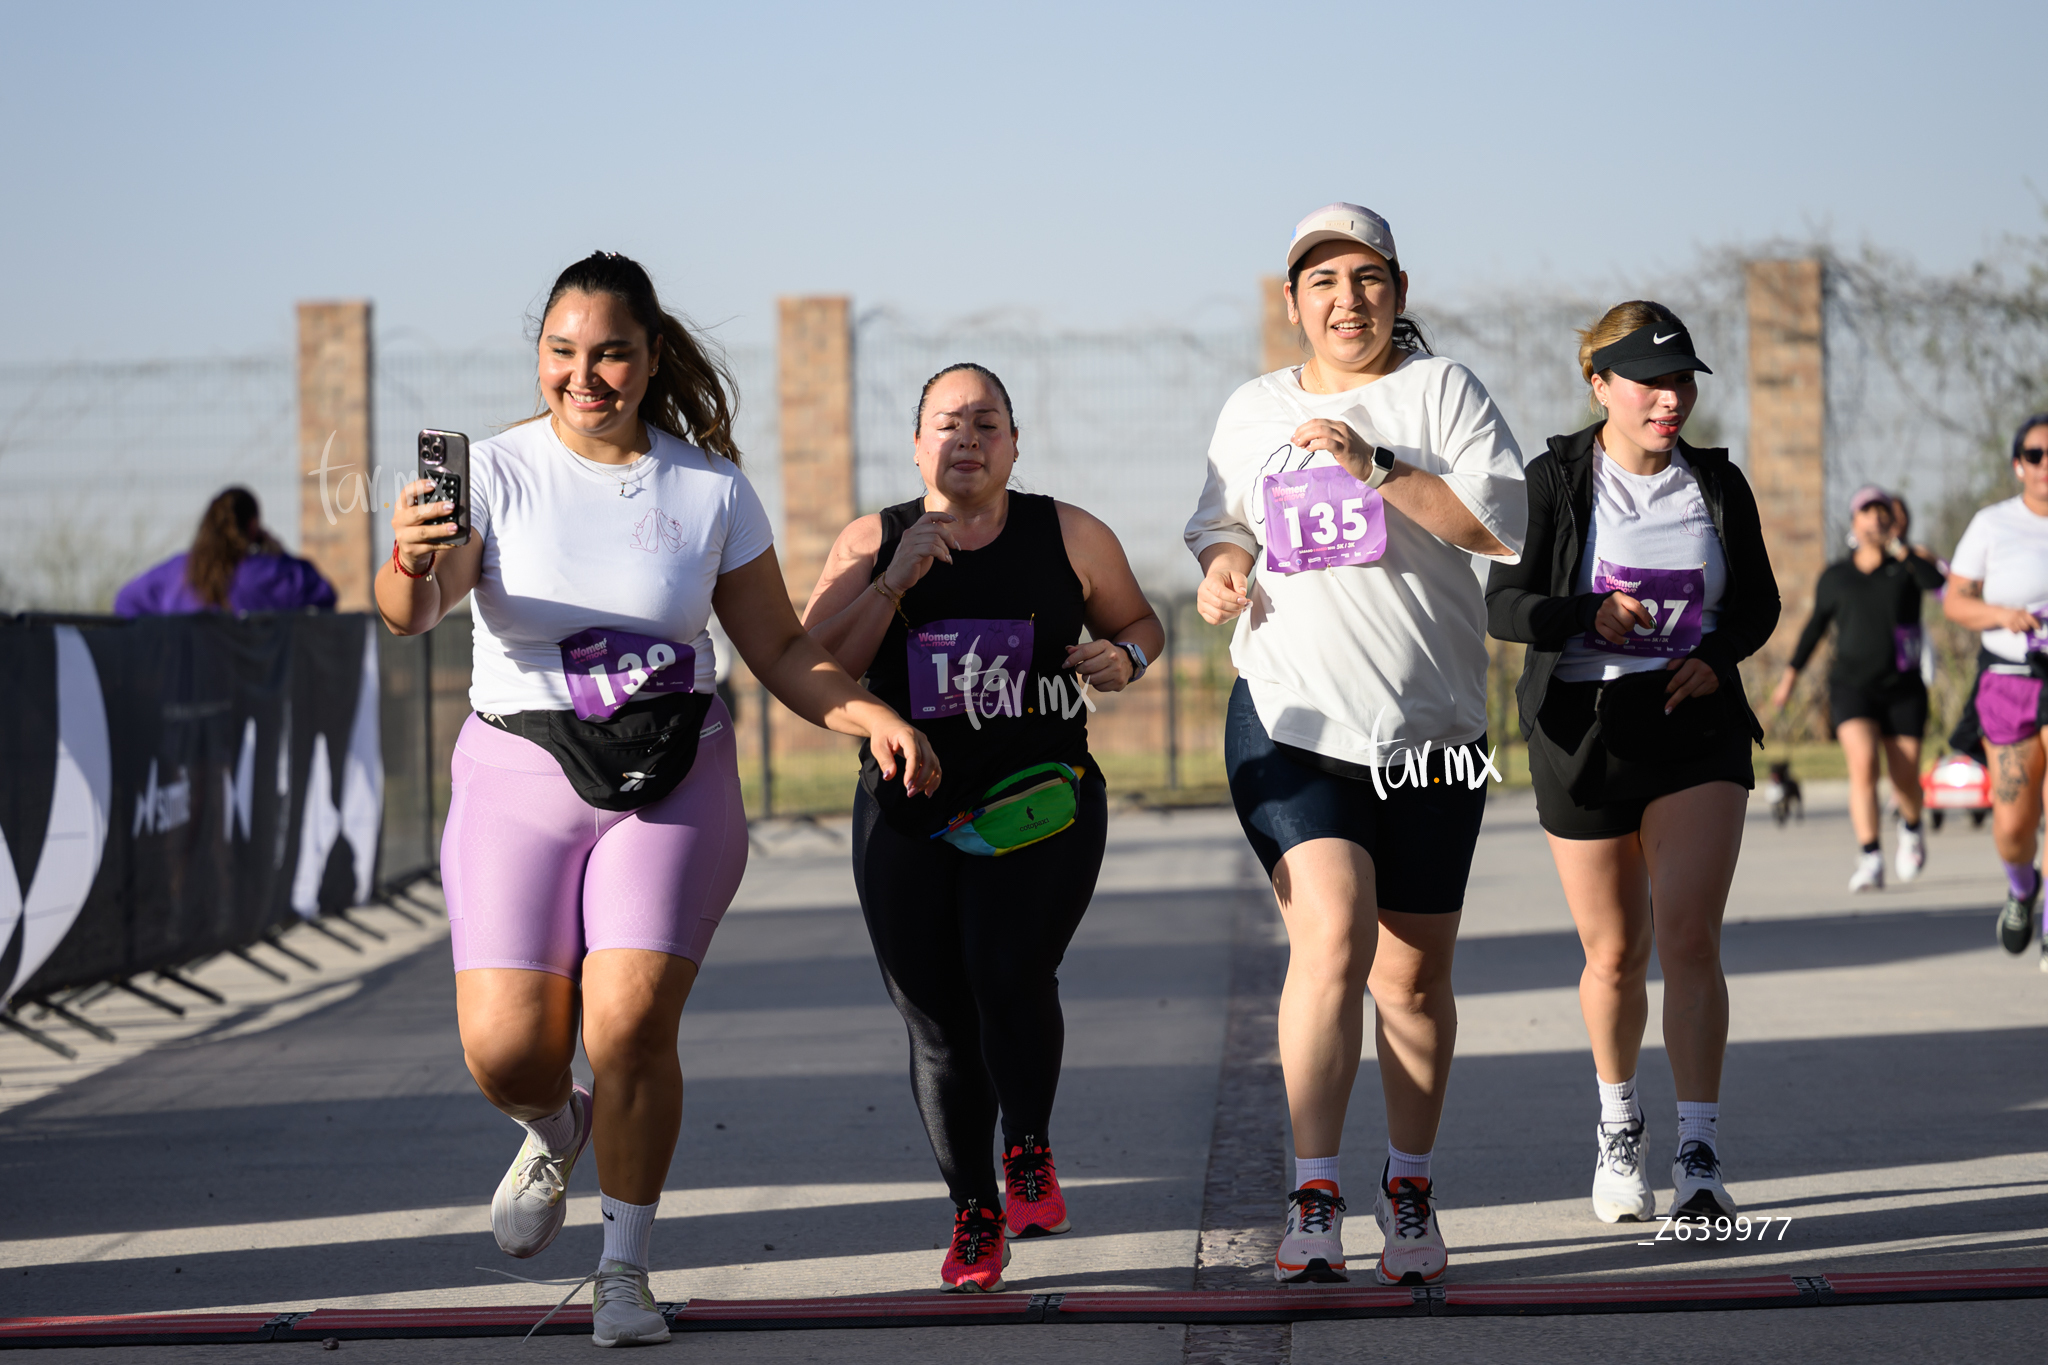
1378	474
1139	663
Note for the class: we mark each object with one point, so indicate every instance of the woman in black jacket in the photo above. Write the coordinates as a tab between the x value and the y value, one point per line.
1643	583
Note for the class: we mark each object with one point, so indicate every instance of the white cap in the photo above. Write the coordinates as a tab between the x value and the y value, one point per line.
1341	222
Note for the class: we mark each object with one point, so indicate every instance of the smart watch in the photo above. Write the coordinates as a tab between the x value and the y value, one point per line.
1138	660
1382	465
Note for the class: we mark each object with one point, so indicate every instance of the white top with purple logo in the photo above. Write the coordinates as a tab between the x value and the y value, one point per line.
574	549
1652	539
1367	635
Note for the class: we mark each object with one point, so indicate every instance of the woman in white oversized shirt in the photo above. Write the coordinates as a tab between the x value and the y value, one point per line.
1345	503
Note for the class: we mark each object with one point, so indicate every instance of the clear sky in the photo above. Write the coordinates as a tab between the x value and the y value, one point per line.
178	175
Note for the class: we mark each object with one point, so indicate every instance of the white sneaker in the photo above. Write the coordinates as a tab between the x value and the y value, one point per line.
1911	855
1620	1189
1312	1248
1869	874
1415	1251
1696	1178
531	1202
622	1308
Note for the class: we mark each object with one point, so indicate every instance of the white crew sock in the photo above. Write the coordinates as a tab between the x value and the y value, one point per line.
627	1229
1307	1168
1618	1103
1697	1121
557	1130
1400	1163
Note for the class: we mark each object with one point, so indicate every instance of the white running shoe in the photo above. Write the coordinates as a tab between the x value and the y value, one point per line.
1312	1248
532	1199
1620	1189
1911	855
1696	1178
622	1308
1415	1251
1869	873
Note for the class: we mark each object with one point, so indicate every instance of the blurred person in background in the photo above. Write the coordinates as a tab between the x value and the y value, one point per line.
1345	502
964	609
1645	582
595	833
1998	584
1877	694
234	565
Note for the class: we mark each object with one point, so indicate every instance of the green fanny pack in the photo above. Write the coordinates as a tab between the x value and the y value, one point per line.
1022	809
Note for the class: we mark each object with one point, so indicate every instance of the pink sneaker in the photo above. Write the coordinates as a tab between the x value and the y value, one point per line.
975	1261
1033	1205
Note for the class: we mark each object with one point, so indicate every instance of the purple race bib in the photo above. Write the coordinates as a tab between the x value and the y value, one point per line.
1321	518
1906	648
605	669
1675	599
951	661
2037	641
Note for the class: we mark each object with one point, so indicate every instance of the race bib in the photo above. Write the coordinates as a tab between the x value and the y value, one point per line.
605	669
952	661
1676	600
1906	648
1321	518
2037	641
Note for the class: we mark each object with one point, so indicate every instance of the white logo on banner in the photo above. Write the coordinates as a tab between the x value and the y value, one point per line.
158	809
77	832
362	799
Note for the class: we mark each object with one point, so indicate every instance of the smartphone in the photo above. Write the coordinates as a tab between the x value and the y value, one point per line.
444	458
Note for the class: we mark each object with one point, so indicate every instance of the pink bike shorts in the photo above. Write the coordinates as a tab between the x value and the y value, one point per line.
535	878
2008	706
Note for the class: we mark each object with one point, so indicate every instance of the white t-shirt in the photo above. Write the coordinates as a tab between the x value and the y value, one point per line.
1645	521
564	551
2005	547
1393	650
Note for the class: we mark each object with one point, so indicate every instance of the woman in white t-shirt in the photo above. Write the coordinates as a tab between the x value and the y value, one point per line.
1998	584
1643	584
595	834
1358	487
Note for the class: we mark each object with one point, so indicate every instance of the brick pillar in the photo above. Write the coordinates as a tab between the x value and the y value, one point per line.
335	494
1279	340
815	385
1787	428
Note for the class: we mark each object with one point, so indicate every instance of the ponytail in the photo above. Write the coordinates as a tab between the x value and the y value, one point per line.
691	394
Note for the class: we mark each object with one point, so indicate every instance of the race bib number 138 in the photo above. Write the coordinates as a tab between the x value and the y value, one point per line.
1321	518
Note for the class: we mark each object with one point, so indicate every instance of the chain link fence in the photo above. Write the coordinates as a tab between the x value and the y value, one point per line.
104	467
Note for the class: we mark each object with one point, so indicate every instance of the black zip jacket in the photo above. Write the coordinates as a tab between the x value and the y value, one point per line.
1532	601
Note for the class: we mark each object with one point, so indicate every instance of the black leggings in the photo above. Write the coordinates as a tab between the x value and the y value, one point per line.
970	949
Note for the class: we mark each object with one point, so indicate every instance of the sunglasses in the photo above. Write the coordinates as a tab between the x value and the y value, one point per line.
2033	454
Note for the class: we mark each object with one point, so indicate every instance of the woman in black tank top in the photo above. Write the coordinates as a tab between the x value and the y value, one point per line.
965	609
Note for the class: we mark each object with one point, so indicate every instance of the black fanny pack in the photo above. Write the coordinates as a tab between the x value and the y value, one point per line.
634	759
1635	729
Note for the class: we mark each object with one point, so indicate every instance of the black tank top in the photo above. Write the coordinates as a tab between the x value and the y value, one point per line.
957	643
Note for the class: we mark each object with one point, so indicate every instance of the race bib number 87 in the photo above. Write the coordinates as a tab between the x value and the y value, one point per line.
1675	600
1321	518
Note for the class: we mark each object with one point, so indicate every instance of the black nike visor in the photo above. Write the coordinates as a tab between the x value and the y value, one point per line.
1649	353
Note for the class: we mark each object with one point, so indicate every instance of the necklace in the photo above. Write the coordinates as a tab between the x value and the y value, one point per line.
627	487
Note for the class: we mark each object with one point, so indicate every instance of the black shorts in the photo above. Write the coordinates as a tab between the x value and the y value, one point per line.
1554	747
1420	839
1899	708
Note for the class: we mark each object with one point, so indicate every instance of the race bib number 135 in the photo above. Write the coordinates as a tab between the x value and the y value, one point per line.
1321	518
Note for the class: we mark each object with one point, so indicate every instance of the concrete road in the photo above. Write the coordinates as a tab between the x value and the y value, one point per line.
320	1144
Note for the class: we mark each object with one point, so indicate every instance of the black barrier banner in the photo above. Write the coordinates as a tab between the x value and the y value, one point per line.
176	786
